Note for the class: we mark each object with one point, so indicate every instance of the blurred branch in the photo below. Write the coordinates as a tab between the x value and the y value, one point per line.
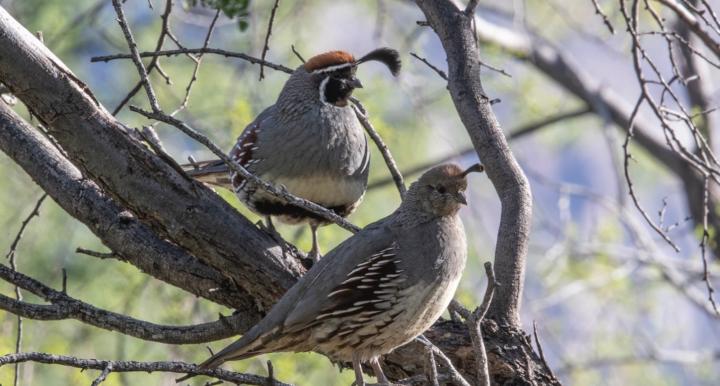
555	63
135	366
652	358
522	131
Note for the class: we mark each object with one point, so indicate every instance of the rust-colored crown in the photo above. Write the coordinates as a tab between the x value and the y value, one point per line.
328	59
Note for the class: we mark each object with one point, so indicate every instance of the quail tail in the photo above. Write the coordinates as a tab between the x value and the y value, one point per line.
214	172
235	351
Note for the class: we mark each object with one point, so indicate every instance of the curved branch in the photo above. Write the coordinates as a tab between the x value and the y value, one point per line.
454	27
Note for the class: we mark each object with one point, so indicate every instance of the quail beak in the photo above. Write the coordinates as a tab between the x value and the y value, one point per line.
355	82
460	197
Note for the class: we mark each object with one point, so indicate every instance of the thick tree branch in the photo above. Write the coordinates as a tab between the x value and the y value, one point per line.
197	219
454	27
119	229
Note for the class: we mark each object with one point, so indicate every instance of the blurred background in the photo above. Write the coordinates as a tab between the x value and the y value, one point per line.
597	276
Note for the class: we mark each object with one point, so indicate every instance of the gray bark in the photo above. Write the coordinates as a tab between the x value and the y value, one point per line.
454	27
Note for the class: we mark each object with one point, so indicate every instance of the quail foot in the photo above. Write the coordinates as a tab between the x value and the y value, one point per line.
377	290
309	141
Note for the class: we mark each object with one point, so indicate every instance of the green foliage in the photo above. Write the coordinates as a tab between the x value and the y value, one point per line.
231	8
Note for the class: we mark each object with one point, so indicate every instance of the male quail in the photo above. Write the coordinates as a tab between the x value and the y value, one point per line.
309	141
377	290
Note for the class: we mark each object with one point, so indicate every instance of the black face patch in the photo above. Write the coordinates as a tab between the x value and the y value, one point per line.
338	87
337	91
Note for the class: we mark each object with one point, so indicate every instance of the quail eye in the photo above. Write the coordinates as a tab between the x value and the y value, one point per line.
441	189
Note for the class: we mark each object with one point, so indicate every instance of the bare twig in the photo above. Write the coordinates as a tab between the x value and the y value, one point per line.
266	46
135	55
539	347
703	247
693	24
474	323
103	375
439	71
102	255
604	17
18	295
154	62
196	69
455	375
135	366
361	114
431	368
35	212
297	53
182	51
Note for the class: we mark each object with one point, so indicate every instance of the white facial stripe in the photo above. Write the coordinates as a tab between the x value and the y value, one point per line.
333	68
322	89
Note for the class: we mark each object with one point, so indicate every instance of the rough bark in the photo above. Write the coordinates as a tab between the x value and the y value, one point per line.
184	211
119	230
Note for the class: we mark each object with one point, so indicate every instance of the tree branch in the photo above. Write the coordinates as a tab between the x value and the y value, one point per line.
134	366
66	307
455	30
181	51
199	220
119	229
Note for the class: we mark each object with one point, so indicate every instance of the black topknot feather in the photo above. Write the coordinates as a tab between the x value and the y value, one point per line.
388	56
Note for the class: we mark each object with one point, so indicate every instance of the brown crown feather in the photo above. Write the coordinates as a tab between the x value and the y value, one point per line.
332	58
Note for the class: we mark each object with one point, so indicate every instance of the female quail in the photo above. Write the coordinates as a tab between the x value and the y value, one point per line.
309	141
377	290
